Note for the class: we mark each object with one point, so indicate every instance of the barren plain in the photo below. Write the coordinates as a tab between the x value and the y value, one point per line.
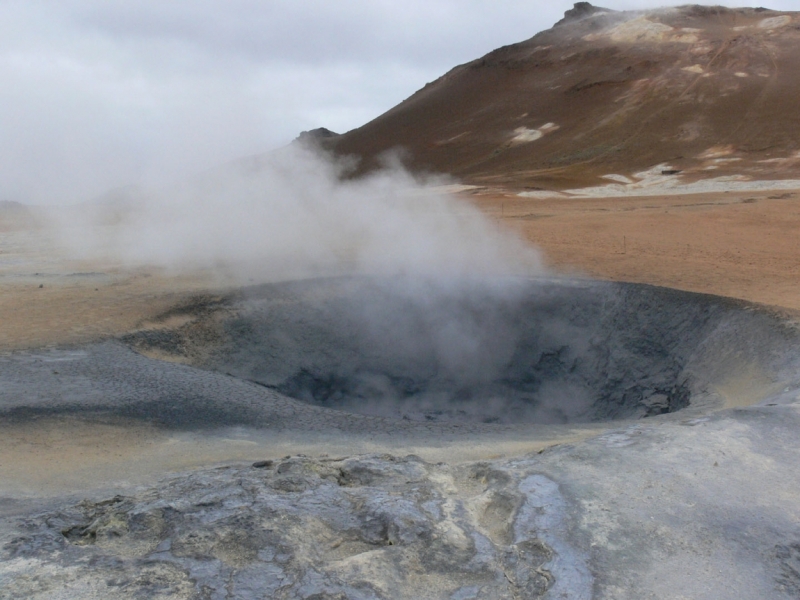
737	244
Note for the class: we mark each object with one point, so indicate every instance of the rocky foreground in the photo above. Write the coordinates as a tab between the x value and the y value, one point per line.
701	508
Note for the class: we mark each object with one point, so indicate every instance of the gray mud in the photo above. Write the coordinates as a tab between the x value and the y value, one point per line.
391	359
296	528
645	489
504	351
703	509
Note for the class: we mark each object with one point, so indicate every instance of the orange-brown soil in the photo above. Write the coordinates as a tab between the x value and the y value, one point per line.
742	245
77	313
738	244
80	311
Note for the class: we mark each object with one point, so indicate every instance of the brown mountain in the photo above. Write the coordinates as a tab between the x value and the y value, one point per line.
709	91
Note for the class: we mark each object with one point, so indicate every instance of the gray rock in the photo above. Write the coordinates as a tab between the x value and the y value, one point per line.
701	509
364	527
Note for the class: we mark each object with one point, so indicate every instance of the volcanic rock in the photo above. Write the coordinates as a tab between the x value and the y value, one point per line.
315	136
581	10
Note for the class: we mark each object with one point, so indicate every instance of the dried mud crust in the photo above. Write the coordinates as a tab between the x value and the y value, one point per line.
367	527
698	508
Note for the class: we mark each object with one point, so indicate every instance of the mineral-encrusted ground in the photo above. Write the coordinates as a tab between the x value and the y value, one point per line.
705	508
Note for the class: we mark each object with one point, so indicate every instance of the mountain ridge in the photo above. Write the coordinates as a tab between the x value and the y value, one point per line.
704	91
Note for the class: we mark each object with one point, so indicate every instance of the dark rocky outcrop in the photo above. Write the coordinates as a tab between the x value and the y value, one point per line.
581	10
315	136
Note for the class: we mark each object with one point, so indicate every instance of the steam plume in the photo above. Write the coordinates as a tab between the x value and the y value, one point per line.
293	215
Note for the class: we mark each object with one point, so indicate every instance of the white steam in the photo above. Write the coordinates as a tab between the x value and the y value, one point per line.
291	215
437	305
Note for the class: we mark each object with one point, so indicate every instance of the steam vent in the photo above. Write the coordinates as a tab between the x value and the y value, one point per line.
500	351
553	355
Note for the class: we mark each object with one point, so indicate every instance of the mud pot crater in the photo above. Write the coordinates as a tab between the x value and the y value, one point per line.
504	351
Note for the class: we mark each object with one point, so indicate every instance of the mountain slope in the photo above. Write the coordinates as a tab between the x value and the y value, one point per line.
706	90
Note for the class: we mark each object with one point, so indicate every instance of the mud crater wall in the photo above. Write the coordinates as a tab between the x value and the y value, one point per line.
491	351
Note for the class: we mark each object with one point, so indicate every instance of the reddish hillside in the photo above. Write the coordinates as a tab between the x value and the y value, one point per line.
708	90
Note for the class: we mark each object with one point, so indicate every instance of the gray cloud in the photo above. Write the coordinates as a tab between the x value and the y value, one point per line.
98	94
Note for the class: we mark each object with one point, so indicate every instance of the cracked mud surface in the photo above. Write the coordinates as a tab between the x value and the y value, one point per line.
704	508
367	527
126	477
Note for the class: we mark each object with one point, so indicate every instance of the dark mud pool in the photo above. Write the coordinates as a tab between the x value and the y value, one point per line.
504	351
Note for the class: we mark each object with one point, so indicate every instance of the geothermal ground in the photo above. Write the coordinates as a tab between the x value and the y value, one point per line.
181	436
623	423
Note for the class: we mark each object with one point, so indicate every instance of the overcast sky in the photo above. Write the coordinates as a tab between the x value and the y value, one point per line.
97	94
